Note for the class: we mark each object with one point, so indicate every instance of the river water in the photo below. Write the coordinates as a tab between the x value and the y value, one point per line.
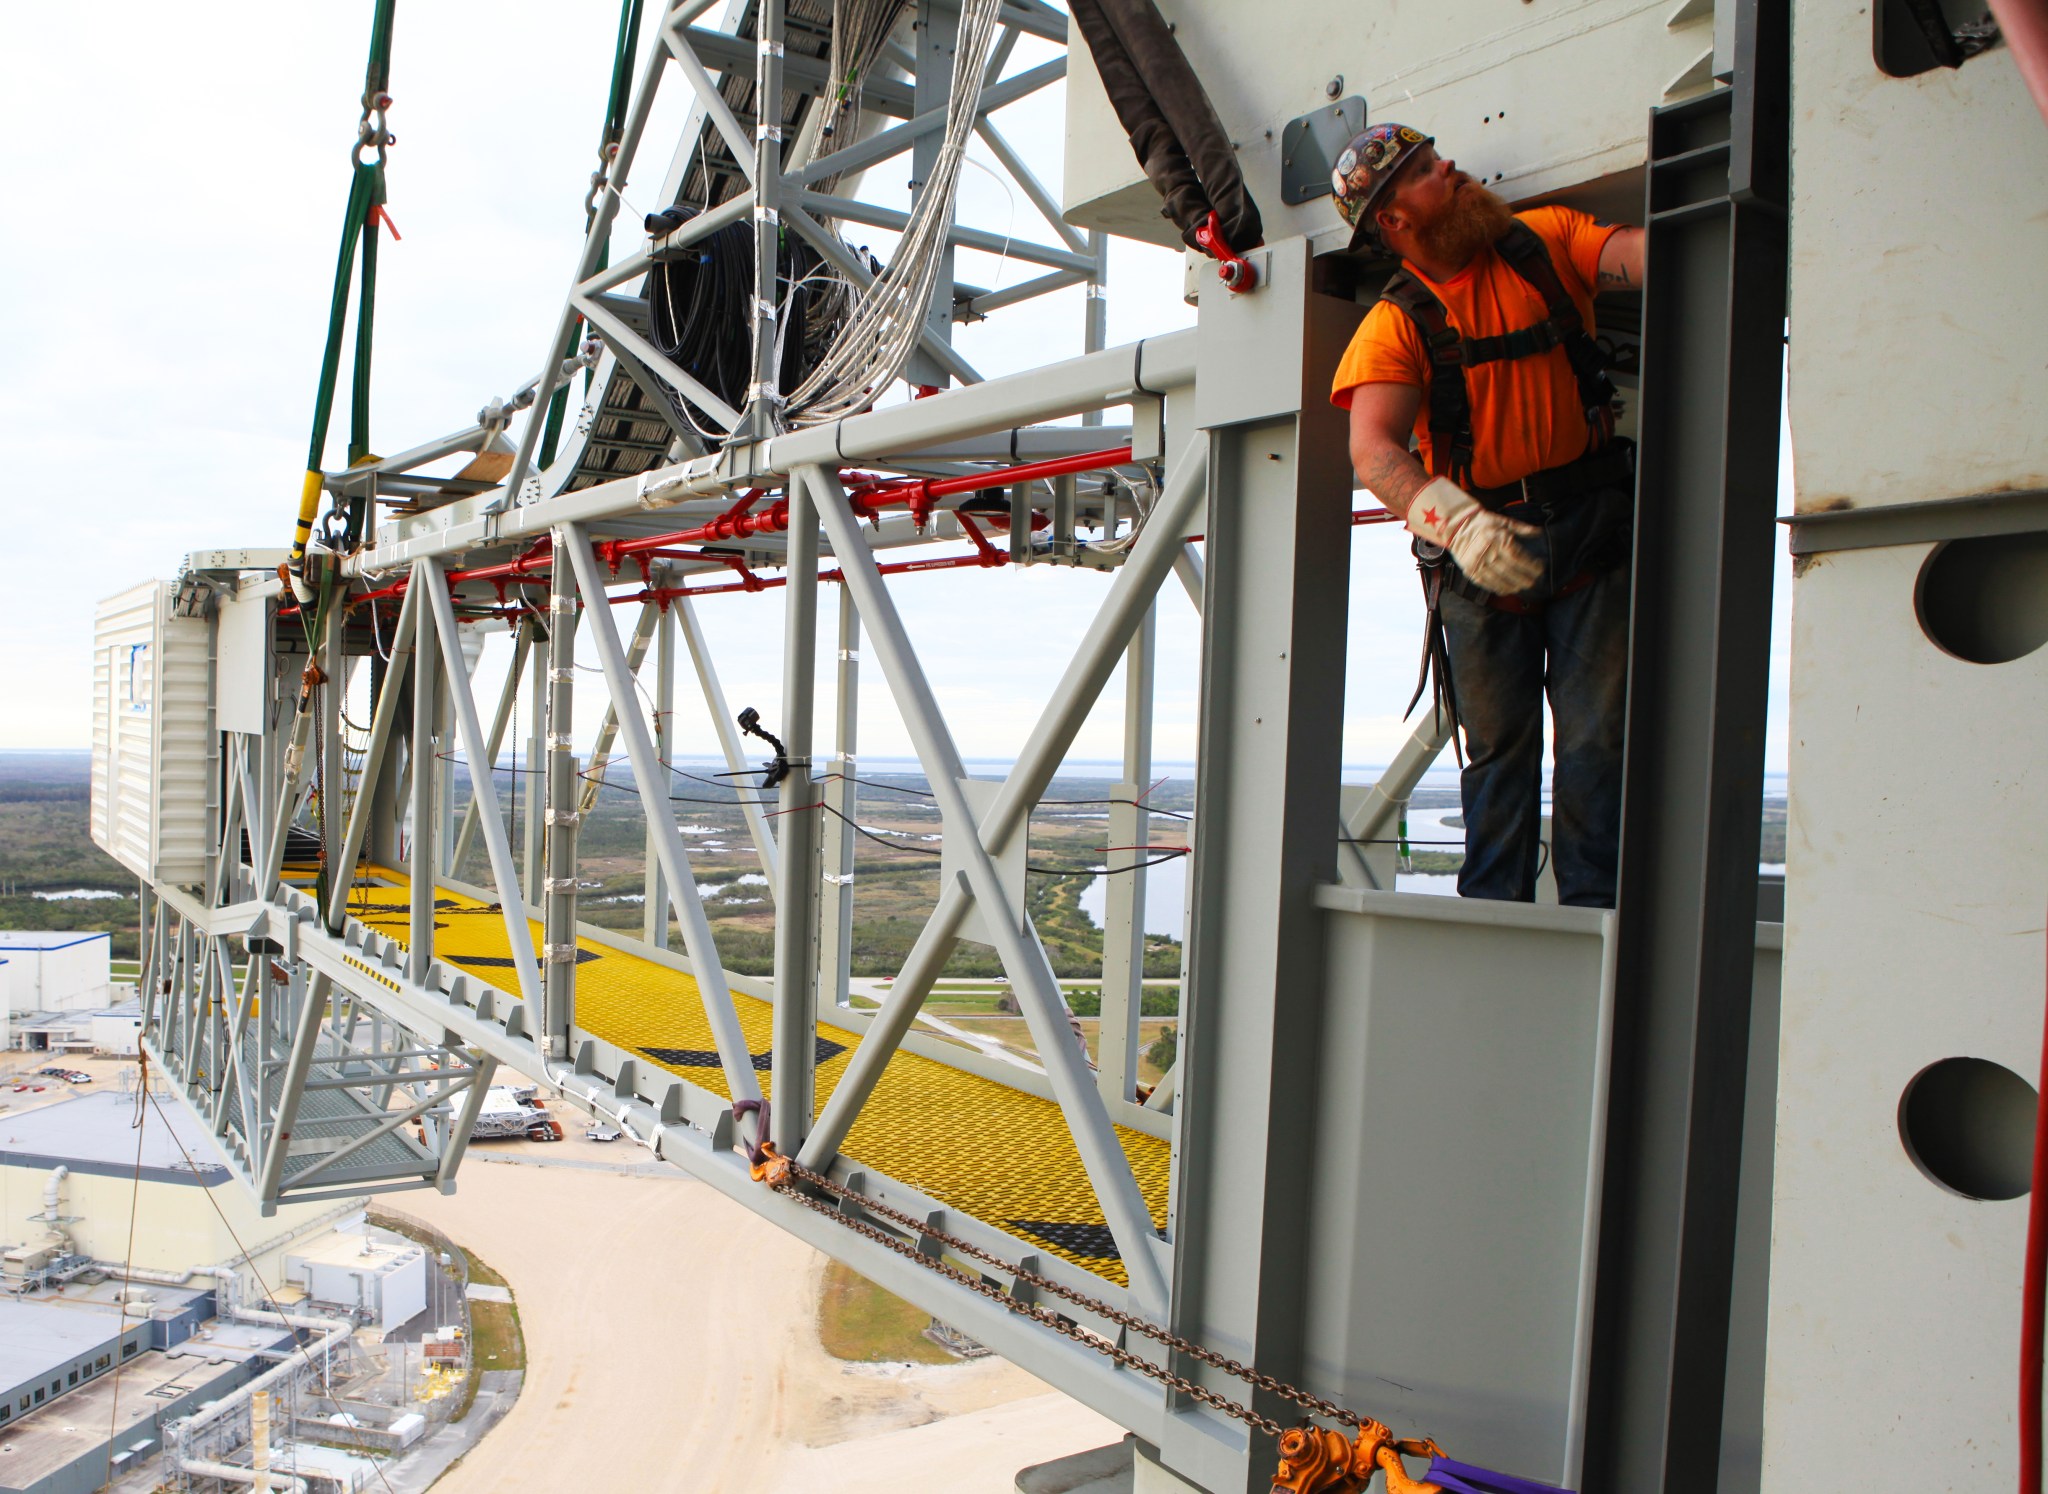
1166	883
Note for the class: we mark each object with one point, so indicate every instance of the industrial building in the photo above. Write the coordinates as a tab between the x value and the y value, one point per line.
379	1280
1707	1182
56	972
46	1351
70	1173
96	1375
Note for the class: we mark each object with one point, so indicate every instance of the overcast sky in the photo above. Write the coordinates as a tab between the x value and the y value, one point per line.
174	180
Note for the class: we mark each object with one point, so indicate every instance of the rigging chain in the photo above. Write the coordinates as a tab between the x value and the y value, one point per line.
783	1173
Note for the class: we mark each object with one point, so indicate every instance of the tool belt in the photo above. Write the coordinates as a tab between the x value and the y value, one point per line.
1536	498
1612	466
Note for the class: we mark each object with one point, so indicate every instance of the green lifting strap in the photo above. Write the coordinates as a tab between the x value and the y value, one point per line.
359	228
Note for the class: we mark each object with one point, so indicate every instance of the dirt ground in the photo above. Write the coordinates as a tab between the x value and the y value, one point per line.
671	1342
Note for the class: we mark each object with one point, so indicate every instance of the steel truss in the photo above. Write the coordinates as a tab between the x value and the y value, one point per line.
314	1063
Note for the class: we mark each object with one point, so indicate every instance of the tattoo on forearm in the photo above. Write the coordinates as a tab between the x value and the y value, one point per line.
1615	279
1393	476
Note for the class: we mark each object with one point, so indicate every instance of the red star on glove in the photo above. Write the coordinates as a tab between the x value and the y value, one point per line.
1429	517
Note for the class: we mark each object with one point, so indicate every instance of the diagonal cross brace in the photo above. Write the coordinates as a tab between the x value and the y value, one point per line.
482	786
651	779
1130	599
1037	990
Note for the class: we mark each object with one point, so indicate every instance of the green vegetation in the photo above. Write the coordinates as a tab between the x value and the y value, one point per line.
1153	1001
45	845
859	1321
495	1339
1164	1050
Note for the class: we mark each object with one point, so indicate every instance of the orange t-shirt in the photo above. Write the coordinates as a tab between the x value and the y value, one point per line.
1526	414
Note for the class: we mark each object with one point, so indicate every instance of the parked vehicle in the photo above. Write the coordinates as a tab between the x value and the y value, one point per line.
603	1132
69	1076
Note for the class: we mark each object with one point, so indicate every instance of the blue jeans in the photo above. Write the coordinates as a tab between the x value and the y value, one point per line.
1574	648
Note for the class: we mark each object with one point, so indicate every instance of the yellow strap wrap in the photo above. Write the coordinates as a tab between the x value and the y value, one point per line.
309	505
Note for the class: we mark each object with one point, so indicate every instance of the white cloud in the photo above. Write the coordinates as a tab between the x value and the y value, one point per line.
175	181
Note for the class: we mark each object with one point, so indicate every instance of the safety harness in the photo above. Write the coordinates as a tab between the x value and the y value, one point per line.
1451	356
1451	353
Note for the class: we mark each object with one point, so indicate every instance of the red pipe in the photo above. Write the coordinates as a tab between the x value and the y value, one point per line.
2034	1292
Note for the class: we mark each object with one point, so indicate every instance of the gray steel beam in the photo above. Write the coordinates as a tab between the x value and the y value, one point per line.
1699	667
1130	598
508	696
504	871
1034	190
654	908
563	812
1270	747
713	103
421	862
533	853
734	1059
333	770
1037	990
794	1060
762	414
935	37
1123	913
736	54
848	210
842	800
1151	366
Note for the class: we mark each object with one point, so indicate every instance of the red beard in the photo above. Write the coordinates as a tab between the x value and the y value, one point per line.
1473	219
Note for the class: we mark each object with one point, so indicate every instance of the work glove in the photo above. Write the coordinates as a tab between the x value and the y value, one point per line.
1486	545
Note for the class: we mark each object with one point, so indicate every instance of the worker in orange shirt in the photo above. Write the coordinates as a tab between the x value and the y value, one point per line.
1518	493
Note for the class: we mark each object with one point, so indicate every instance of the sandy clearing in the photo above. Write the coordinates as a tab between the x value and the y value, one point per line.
671	1345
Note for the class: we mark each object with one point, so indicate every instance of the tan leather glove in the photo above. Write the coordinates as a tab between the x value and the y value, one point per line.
1486	545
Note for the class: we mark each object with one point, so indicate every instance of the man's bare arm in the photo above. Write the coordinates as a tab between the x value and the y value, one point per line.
1621	261
1382	415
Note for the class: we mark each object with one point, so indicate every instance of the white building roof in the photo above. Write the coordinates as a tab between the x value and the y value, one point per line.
95	1134
24	941
34	1336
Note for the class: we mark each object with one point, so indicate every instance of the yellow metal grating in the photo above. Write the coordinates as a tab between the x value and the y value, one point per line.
1004	1156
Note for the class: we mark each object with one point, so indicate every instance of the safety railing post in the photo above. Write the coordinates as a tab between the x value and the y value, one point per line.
654	927
1123	914
421	860
796	907
835	836
563	799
